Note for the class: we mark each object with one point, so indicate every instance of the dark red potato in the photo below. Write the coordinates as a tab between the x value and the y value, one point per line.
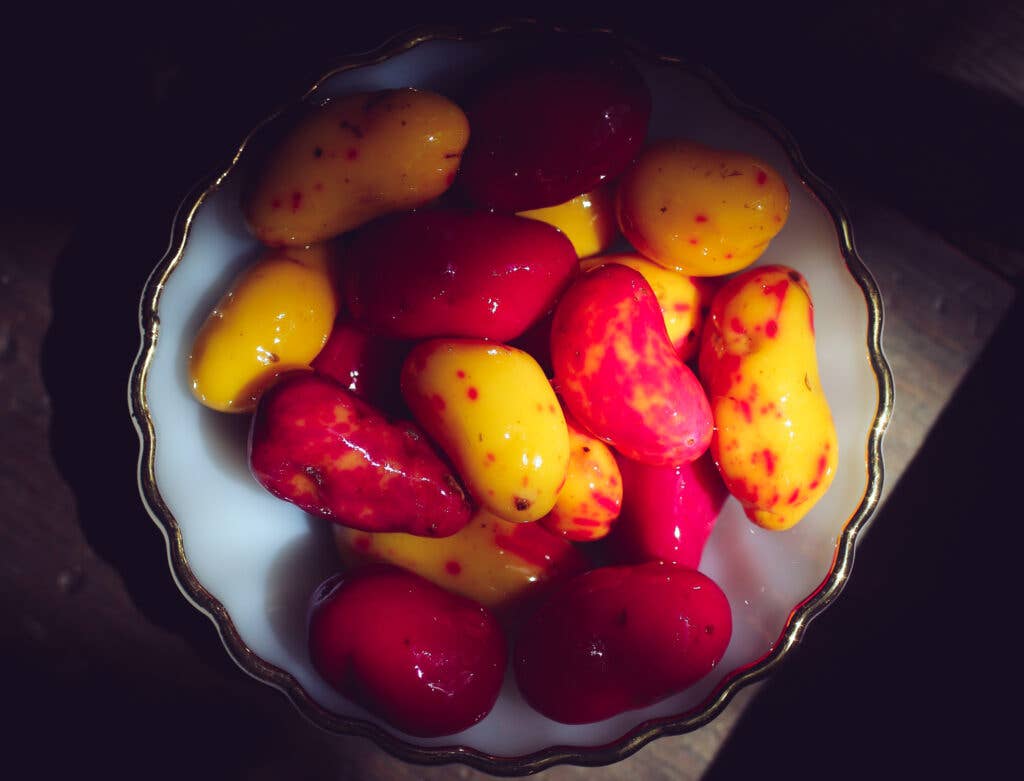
546	130
366	365
620	638
426	661
456	272
316	445
668	512
619	374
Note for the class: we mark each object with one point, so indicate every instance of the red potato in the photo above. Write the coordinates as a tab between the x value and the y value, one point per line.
551	128
668	512
316	445
619	638
456	272
366	365
428	662
618	373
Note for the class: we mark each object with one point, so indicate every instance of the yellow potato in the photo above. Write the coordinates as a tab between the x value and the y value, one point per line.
354	159
492	410
588	220
276	316
494	562
701	211
774	443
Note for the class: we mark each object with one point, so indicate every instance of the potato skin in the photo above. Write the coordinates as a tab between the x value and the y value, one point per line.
698	210
455	272
353	159
500	564
428	662
587	220
493	412
668	512
275	317
775	442
683	300
618	373
591	498
318	446
553	126
619	638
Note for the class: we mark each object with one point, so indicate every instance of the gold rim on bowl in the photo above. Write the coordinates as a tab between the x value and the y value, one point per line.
715	703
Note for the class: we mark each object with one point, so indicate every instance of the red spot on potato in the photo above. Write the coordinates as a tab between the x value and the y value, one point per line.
352	153
296	201
745	409
587	522
460	374
472	393
771	328
681	306
737	326
438	402
793	496
769	461
452	567
700	218
490	457
778	290
693	240
762	177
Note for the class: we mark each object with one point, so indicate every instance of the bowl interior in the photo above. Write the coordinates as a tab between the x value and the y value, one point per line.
262	557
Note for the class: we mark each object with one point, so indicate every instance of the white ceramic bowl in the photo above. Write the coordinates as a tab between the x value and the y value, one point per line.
250	561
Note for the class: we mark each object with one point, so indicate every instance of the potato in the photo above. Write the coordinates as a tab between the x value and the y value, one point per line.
353	159
775	442
492	410
320	447
619	374
455	272
591	498
701	211
619	638
588	220
500	564
275	317
682	299
426	661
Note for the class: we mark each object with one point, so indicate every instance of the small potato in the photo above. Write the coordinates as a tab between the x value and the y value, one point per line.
500	564
618	373
353	159
588	220
618	638
426	661
492	410
682	299
276	316
591	498
315	444
701	211
775	443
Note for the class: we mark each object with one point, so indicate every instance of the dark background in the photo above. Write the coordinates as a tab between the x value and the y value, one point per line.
110	116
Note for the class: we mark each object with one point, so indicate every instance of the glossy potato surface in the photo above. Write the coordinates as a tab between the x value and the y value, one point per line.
699	210
275	317
775	442
355	158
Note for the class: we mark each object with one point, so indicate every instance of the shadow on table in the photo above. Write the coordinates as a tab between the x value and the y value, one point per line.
913	666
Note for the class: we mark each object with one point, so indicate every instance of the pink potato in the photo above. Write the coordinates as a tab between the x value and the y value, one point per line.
668	512
456	272
619	374
426	661
619	638
318	446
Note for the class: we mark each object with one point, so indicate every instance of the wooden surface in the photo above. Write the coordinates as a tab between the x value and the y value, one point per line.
110	668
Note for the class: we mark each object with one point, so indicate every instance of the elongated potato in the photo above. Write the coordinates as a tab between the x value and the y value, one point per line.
492	410
775	442
276	316
353	159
